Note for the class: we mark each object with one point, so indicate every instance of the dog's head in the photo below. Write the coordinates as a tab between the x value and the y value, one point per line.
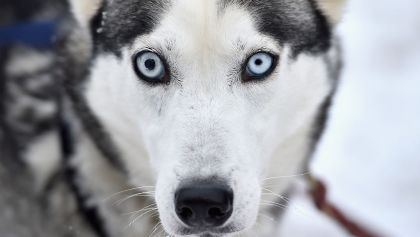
216	95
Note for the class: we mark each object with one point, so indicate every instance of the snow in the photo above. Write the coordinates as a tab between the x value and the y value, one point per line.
370	154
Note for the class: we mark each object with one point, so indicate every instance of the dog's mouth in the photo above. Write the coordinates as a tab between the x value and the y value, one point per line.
203	232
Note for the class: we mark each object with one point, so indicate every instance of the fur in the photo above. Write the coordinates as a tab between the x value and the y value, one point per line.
129	136
205	123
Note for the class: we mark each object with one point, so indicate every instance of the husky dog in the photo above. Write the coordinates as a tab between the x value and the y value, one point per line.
193	105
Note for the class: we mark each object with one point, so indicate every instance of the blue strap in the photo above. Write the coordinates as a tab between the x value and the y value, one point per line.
35	34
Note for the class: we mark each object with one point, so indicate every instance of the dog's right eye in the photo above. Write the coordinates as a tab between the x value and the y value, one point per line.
150	67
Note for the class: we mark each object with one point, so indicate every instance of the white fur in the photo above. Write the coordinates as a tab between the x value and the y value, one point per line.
84	10
43	156
333	9
208	123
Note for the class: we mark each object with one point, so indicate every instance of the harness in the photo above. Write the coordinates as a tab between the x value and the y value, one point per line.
318	192
36	34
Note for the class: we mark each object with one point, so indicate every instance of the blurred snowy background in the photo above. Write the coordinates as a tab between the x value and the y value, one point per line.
369	156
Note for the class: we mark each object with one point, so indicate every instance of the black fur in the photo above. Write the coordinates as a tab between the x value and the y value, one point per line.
119	22
297	23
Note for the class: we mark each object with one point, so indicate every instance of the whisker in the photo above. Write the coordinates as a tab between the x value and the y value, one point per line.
153	205
139	217
155	228
267	217
141	194
294	207
155	214
274	204
277	195
135	212
162	231
124	191
287	200
287	176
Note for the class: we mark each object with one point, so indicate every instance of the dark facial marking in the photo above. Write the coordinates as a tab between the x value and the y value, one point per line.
298	23
119	22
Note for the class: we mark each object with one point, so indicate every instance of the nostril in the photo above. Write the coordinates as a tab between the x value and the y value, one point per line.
185	213
216	212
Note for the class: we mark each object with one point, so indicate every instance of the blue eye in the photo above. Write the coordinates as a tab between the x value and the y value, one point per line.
259	66
150	67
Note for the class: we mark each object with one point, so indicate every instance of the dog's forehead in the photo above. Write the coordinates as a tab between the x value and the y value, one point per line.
298	23
200	26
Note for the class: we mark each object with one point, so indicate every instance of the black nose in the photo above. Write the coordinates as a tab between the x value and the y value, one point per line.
204	205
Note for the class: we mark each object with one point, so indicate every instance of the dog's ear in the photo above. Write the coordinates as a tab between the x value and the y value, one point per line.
84	10
333	9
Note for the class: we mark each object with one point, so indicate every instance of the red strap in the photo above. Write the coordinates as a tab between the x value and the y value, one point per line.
319	195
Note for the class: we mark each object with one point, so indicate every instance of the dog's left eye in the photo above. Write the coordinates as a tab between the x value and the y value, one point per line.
150	67
259	66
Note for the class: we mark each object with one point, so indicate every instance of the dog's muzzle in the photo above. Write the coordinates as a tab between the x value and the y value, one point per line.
203	206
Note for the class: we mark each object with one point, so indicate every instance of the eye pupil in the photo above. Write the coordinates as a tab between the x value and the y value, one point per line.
258	62
150	64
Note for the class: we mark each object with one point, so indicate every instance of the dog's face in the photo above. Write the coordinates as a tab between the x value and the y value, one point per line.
211	93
